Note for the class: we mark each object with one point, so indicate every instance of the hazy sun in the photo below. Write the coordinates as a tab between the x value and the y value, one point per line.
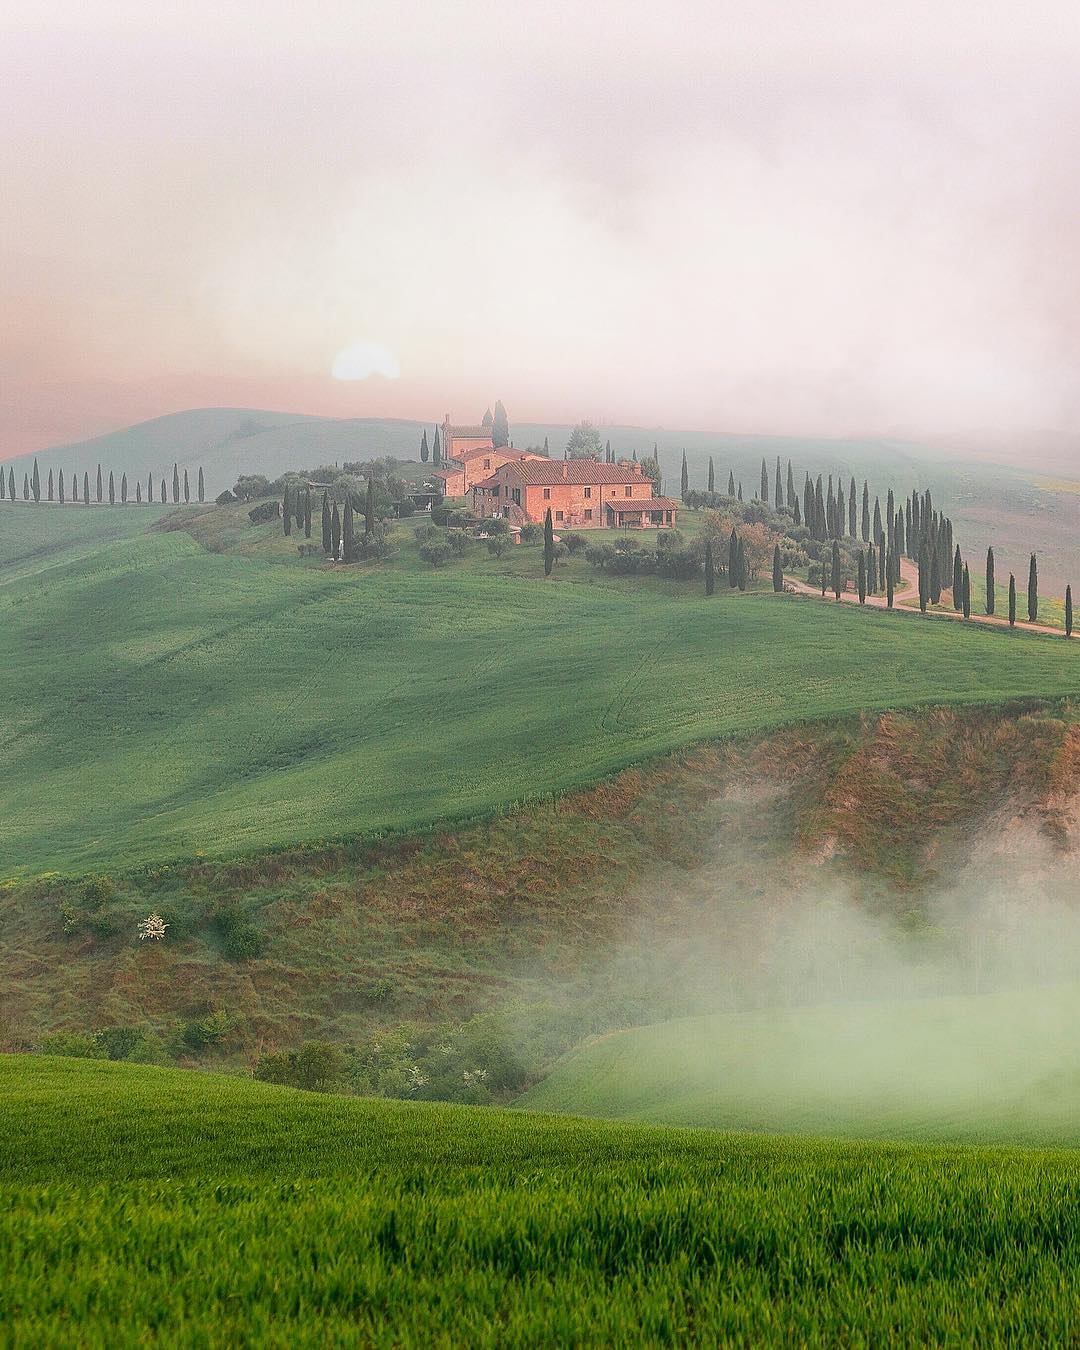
361	359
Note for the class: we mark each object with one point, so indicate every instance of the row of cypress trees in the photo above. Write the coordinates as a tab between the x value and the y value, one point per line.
338	523
56	489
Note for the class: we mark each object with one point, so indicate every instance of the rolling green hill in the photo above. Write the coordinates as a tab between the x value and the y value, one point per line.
165	701
1000	1068
144	1204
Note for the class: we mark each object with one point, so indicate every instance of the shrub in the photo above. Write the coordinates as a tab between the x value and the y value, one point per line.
240	939
405	508
130	1043
458	541
498	545
72	1043
209	1029
575	542
495	525
531	533
224	498
265	511
435	554
317	1066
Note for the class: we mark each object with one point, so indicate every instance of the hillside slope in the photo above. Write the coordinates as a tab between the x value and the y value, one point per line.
203	1210
185	702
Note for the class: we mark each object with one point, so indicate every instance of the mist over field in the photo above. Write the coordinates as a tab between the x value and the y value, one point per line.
806	1000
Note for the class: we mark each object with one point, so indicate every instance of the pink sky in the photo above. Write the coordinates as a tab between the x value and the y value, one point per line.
844	217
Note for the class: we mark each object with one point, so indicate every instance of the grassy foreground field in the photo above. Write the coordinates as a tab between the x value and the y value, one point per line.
1000	1068
146	1205
162	701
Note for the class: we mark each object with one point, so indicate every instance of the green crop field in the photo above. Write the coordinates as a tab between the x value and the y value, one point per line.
995	1068
146	1205
162	700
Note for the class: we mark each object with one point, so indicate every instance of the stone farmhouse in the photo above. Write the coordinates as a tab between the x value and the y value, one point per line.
469	454
580	493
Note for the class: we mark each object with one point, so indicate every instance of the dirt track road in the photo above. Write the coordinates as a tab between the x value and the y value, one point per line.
909	582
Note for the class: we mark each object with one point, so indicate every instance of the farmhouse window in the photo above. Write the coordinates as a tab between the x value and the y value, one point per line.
547	494
558	515
628	490
588	513
487	463
588	492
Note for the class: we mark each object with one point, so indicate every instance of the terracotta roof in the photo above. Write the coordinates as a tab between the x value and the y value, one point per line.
641	504
450	472
487	483
550	471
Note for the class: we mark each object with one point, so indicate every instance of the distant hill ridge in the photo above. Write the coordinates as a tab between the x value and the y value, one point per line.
227	442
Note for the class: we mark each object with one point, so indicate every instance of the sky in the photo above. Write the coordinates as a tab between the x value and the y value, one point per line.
846	217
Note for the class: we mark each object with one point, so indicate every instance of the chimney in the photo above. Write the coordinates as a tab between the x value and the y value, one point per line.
566	468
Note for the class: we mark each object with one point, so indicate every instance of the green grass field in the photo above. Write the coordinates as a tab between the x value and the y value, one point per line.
995	1068
164	701
150	1206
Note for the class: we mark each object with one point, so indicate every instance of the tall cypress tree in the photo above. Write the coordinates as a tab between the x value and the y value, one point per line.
733	559
882	560
989	581
684	478
26	487
871	569
424	451
899	539
731	483
307	512
138	493
890	583
1033	590
327	539
298	509
3	485
778	495
549	543
187	488
112	489
86	488
795	509
935	575
59	484
123	489
436	449
175	483
35	484
865	512
164	497
710	568
1012	600
792	497
738	492
202	486
286	512
335	532
777	567
852	510
967	593
764	481
878	534
348	535
1068	612
712	477
50	485
369	506
862	577
99	485
820	530
150	488
924	576
957	580
500	427
11	483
